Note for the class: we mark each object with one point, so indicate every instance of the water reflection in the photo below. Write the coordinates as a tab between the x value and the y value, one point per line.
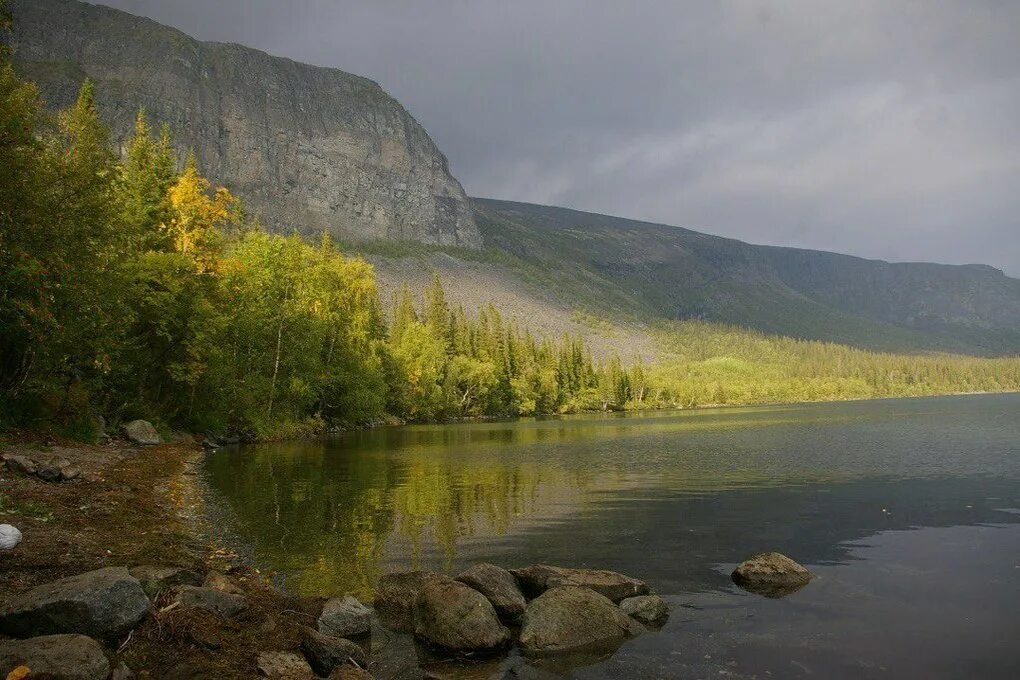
670	497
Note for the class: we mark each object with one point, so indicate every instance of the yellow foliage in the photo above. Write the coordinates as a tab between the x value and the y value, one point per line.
196	227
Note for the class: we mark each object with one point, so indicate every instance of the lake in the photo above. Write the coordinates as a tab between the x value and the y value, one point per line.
907	511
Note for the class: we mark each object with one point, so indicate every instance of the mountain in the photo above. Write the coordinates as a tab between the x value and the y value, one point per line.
676	273
316	149
307	147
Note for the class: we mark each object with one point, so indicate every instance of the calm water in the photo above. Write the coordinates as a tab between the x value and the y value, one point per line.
908	512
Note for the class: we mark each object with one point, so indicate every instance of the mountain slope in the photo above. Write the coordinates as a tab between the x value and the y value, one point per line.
680	274
317	149
308	148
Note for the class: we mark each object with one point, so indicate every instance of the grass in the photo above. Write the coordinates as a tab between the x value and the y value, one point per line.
36	510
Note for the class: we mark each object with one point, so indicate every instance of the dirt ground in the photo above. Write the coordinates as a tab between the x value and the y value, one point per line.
133	506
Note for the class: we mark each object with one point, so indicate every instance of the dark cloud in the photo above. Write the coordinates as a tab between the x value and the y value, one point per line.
885	129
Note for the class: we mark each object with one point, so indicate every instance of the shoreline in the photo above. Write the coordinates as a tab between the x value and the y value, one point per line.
137	506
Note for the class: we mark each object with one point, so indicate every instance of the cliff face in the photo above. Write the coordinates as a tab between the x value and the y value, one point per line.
307	148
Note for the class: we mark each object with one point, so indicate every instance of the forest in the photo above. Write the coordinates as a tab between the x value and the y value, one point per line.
130	287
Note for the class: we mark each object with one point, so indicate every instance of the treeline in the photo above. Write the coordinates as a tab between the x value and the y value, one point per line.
707	363
129	287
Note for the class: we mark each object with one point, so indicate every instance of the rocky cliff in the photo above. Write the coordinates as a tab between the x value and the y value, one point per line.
308	148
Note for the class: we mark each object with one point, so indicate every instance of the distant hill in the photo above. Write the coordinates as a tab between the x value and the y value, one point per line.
317	149
675	273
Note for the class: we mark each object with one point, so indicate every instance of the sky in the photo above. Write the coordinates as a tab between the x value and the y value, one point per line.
882	129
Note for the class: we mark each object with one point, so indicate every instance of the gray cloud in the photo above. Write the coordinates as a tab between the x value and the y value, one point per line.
884	129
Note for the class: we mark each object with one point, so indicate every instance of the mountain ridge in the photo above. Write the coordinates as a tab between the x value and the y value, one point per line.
308	147
315	149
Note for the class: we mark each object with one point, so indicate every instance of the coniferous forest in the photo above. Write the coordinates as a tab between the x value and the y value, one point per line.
131	287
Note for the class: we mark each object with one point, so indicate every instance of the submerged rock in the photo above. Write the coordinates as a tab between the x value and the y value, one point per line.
10	537
155	579
60	657
396	594
142	432
565	619
499	586
648	609
105	603
344	617
227	605
456	618
771	574
538	578
326	652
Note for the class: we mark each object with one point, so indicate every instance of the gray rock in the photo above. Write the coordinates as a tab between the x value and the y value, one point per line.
324	151
454	617
225	604
49	470
106	603
59	657
69	472
10	537
565	619
22	464
396	594
648	609
283	666
142	432
345	617
771	574
155	579
499	586
538	578
326	652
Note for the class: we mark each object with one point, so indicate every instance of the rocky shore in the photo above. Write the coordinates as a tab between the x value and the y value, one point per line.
109	577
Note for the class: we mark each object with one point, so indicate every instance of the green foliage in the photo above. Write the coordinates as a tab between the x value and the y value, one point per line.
705	363
36	510
129	288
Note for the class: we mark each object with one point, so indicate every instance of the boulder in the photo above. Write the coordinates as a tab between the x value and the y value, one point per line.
155	579
345	617
106	604
538	578
454	617
499	586
648	609
10	537
69	472
59	657
227	605
771	574
326	652
22	464
283	666
564	619
142	432
396	594
49	470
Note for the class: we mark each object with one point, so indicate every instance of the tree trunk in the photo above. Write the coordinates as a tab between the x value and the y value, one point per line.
279	344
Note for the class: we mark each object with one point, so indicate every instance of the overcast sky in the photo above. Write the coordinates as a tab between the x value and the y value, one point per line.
882	128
